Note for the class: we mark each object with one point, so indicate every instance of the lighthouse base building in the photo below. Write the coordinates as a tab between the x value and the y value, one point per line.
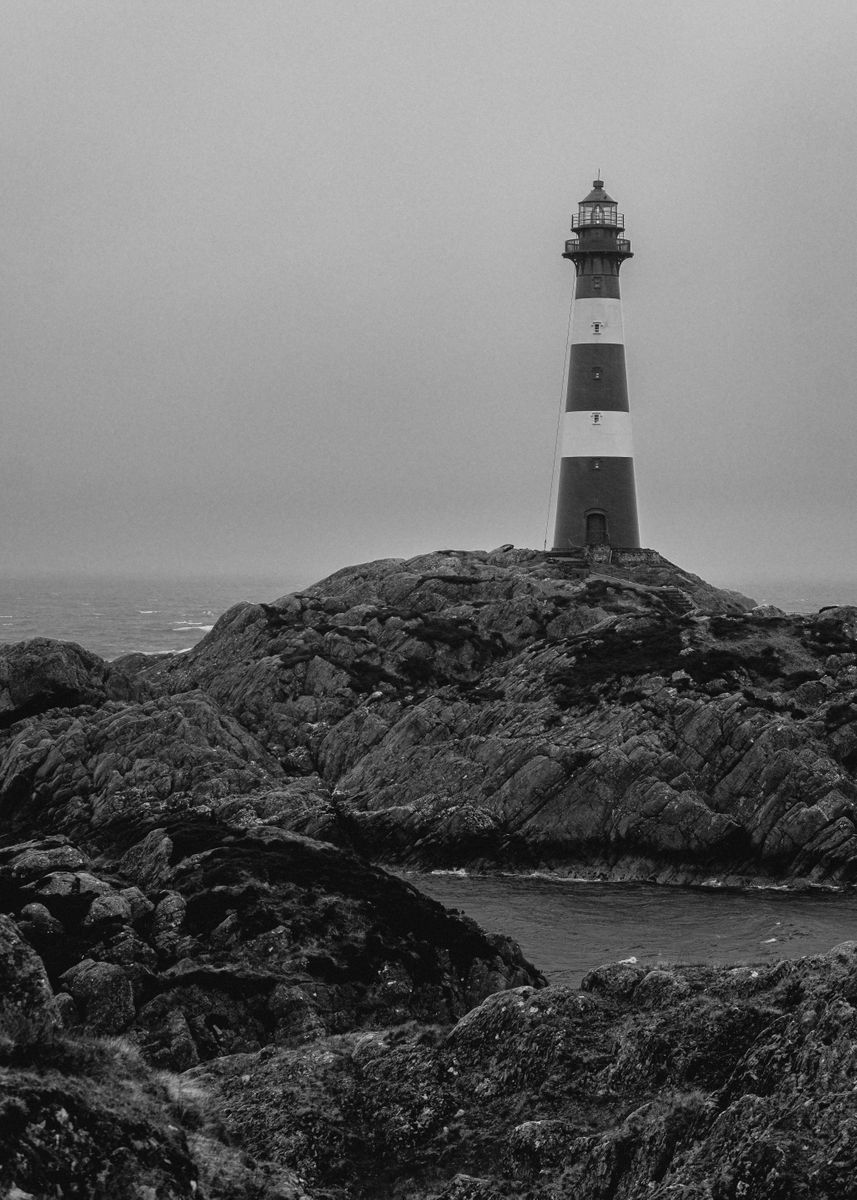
596	495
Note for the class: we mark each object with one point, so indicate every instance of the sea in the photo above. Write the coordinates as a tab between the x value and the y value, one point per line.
564	926
567	926
114	615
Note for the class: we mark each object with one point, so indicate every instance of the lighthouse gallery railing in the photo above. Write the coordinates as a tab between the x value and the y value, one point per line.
623	244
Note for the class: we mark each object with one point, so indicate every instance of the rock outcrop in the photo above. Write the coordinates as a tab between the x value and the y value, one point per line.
43	674
183	943
688	1082
87	1117
208	990
465	709
198	942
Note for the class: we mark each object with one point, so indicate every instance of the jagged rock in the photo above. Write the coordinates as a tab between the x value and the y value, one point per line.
659	986
26	996
537	1145
108	908
139	906
466	708
67	884
67	1010
296	1016
24	863
170	1042
613	979
42	674
79	771
225	1172
703	1091
167	921
246	941
455	708
39	919
149	860
282	938
87	1117
102	992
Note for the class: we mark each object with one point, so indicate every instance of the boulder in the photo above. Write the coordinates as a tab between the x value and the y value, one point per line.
26	997
103	995
535	1146
42	674
613	979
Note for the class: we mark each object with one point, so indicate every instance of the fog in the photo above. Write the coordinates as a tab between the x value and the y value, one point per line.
282	286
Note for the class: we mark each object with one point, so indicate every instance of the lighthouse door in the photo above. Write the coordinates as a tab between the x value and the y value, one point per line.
596	529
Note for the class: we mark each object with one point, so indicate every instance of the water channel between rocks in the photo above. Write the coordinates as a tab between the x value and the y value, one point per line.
568	927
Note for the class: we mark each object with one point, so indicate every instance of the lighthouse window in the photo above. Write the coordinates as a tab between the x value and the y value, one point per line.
596	283
596	372
596	418
596	326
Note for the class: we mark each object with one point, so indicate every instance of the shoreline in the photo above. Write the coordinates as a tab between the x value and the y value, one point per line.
743	884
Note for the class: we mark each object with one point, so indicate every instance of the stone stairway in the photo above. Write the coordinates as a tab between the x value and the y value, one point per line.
676	600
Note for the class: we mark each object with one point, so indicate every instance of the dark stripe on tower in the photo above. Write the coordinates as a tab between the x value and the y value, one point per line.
589	486
596	378
589	287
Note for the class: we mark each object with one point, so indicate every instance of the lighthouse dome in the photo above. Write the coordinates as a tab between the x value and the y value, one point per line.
598	195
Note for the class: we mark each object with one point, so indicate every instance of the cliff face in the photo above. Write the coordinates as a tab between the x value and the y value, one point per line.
468	709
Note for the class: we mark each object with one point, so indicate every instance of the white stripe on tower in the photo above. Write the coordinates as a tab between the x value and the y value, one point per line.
597	320
597	435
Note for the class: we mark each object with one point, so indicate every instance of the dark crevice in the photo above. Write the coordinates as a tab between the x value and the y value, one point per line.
45	702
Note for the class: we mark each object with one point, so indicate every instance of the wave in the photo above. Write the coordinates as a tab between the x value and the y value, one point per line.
557	877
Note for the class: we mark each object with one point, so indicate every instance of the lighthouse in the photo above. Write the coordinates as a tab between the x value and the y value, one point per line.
596	497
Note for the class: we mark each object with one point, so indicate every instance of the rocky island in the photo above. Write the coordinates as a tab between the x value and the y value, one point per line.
212	987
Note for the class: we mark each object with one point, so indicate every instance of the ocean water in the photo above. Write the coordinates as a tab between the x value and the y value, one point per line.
796	595
566	928
114	615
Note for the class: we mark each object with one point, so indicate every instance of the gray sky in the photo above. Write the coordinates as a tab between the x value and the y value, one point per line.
282	287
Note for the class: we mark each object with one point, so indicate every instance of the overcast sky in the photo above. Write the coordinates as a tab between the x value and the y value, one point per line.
282	290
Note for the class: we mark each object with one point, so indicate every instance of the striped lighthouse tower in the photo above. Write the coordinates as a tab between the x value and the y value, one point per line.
596	498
